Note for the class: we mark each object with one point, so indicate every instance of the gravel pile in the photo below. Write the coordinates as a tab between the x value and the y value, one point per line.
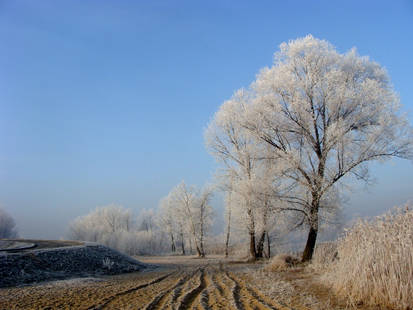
61	263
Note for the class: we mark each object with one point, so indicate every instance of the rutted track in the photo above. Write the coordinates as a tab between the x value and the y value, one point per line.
189	299
110	299
199	286
169	296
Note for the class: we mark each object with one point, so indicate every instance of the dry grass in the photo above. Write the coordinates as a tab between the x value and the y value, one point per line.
325	254
282	262
299	288
375	262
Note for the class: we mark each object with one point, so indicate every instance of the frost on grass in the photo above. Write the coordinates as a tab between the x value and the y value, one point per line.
375	262
276	288
325	254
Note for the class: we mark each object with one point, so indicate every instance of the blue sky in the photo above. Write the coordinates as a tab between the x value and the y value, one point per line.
106	101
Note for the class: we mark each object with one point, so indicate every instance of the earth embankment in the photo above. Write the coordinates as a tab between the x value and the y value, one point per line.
46	261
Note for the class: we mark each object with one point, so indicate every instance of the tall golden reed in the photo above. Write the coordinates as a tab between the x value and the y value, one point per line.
375	262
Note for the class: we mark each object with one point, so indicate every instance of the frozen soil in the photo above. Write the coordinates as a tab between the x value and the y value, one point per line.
181	283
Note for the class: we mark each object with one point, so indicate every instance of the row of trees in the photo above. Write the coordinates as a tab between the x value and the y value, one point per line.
288	141
183	219
186	214
286	146
118	228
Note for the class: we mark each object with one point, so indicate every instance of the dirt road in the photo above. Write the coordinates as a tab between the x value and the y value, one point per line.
185	284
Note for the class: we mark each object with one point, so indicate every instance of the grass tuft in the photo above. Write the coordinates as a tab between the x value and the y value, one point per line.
282	262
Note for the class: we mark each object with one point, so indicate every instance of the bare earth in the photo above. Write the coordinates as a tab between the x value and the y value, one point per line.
180	283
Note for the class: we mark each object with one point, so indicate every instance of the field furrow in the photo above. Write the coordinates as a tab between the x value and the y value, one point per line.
167	298
197	285
189	299
107	301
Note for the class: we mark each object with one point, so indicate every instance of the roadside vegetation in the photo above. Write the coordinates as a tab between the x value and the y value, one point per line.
370	265
374	263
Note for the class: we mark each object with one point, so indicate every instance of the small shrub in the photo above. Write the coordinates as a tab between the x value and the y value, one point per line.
107	263
282	262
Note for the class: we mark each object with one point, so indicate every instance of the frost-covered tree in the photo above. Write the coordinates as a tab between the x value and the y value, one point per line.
237	150
266	203
228	220
115	218
325	115
204	215
115	226
247	173
193	212
167	221
7	225
146	220
103	220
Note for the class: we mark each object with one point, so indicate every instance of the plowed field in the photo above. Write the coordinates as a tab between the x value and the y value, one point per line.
180	284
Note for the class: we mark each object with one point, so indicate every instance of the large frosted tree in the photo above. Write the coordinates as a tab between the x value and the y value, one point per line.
325	115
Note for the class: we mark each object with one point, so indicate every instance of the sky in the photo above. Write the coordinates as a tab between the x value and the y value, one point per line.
106	101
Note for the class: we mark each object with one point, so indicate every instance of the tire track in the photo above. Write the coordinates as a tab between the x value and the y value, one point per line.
173	292
107	300
176	293
216	299
235	290
189	298
251	300
227	287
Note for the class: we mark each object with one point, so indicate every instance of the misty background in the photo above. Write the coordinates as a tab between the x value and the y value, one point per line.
106	102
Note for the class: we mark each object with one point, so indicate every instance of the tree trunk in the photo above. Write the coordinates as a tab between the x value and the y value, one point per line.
199	252
312	234
201	233
253	254
228	232
268	245
202	249
227	239
190	246
309	247
260	245
182	244
251	228
197	248
173	248
201	242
